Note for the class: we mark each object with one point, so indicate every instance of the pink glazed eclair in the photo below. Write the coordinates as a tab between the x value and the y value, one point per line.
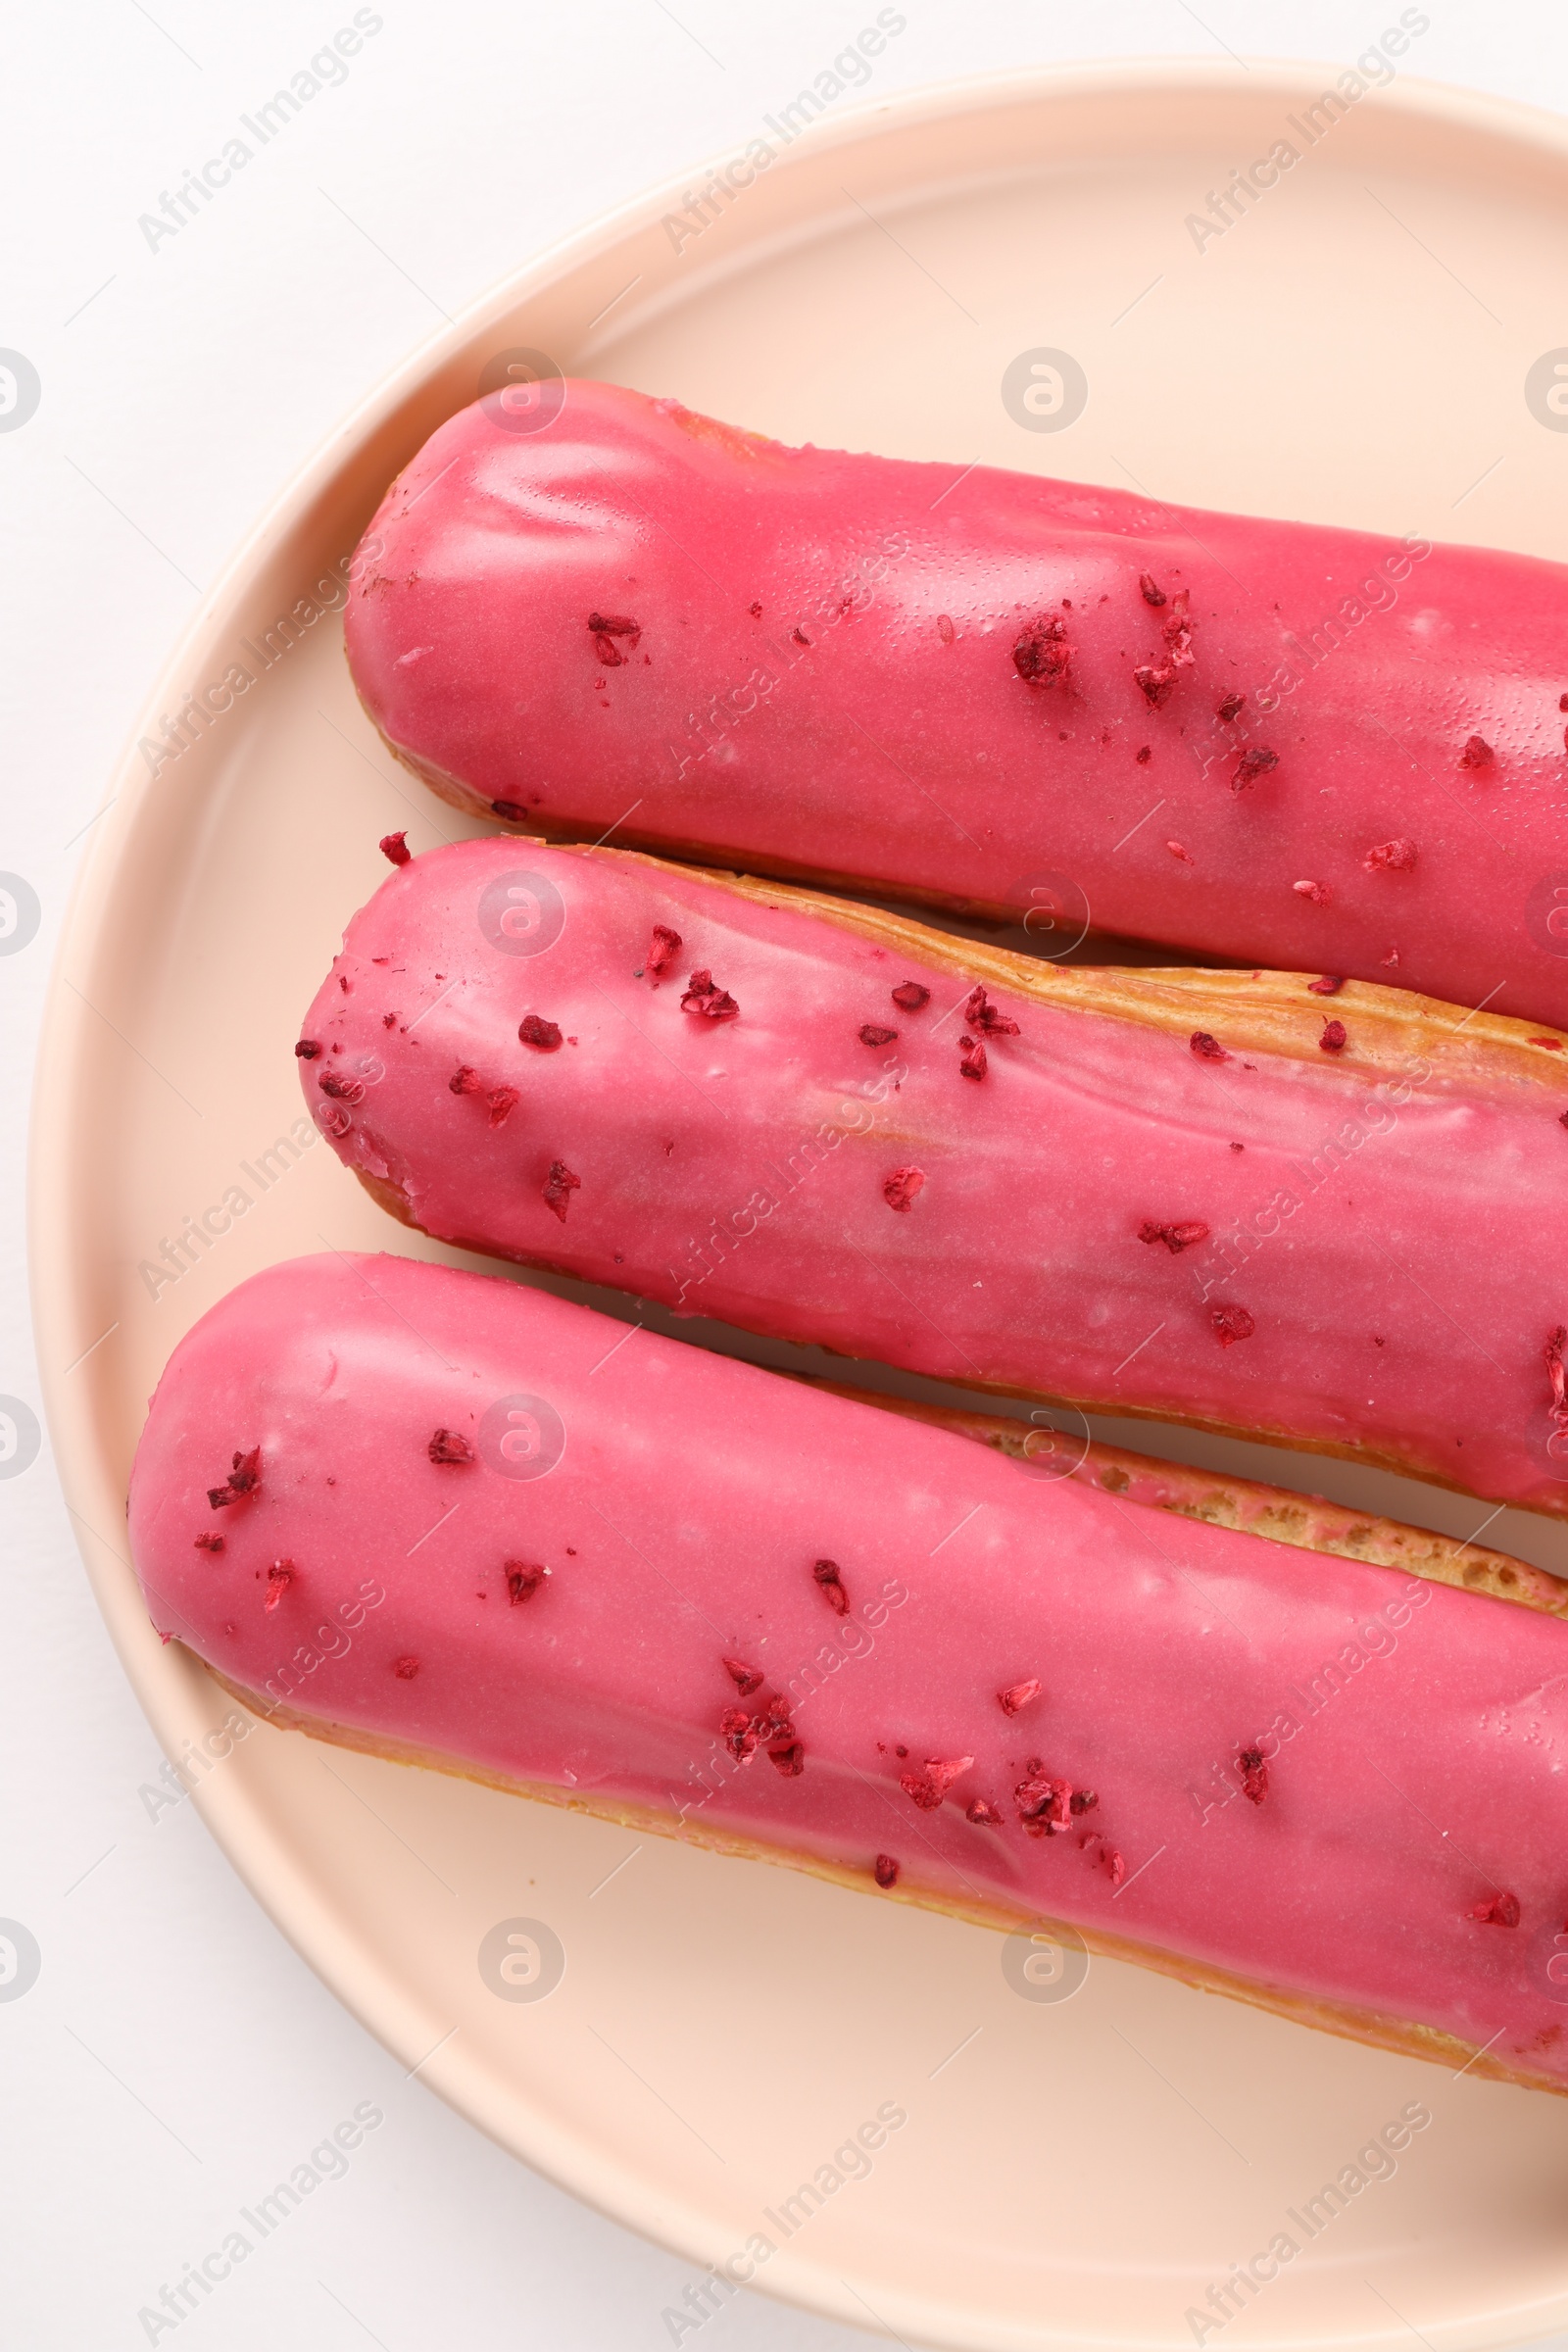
456	1522
1285	744
1328	1221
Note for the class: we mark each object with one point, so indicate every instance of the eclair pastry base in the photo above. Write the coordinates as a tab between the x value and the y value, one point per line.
1330	2017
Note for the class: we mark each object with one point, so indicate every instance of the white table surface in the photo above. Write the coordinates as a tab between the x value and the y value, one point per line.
175	2058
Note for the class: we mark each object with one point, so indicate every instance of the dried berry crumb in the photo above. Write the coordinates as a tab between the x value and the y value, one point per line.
971	1058
209	1543
1254	763
1477	752
245	1471
341	1090
1555	1345
1498	1911
466	1081
244	1478
981	1013
739	1736
702	997
755	612
911	996
1329	985
1207	1048
885	1870
1392	858
523	1579
395	846
984	1814
872	1035
606	628
1249	1763
1230	1324
280	1577
406	1667
789	1758
662	949
1333	1039
1176	1236
513	810
1083	1800
1144	755
772	1722
746	1679
799	636
1180	850
1317	893
1151	594
451	1447
929	1788
544	1036
307	1048
1044	1802
1231	707
1114	1864
826	1573
500	1100
900	1189
1155	685
559	1187
1041	655
1018	1695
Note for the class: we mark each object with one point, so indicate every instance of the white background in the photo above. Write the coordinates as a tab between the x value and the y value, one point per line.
175	2058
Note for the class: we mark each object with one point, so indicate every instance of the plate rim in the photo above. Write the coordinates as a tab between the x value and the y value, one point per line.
171	1692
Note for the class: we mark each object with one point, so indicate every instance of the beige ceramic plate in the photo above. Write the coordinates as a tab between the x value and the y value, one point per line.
1354	346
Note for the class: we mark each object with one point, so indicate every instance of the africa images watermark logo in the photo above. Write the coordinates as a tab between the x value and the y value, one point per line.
200	710
327	69
521	1437
853	2160
1377	2161
19	1960
20	390
1045	390
1047	1963
522	912
197	1234
19	914
850	69
327	2161
20	1436
1546	389
1248	184
522	1960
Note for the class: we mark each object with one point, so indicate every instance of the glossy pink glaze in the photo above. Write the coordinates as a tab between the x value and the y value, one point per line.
822	679
736	1166
1415	1736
